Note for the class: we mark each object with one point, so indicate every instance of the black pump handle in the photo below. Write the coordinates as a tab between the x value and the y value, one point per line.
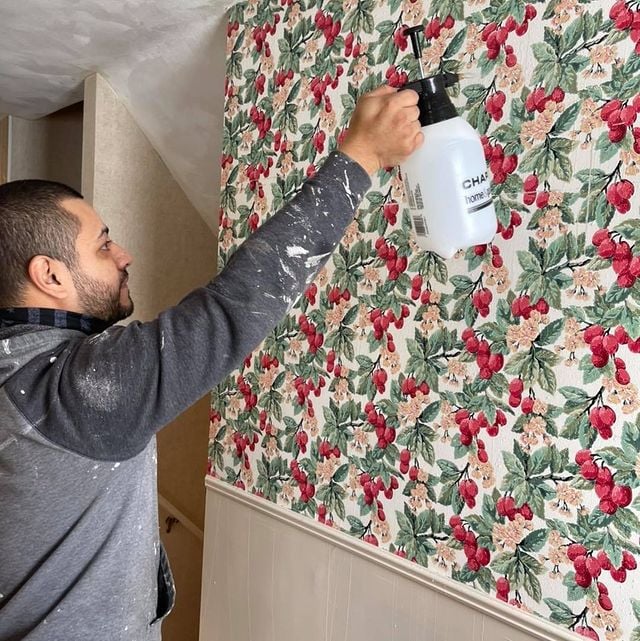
413	32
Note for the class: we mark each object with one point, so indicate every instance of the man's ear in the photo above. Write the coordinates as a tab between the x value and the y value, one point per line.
49	276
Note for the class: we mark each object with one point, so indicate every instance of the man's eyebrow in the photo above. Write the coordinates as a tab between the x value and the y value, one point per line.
103	232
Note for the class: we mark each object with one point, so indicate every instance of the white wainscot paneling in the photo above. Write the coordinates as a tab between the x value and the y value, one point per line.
271	575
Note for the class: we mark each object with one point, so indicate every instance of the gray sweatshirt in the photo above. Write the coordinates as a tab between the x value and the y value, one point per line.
80	556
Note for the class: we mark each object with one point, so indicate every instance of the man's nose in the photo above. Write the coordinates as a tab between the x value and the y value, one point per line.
123	258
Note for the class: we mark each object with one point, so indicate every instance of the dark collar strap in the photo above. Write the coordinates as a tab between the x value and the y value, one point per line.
52	318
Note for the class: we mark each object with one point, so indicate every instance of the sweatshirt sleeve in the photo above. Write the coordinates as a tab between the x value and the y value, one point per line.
104	396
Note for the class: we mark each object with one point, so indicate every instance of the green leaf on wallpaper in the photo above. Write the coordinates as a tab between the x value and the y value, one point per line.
616	456
586	435
550	333
388	52
551	74
539	461
360	18
629	229
531	585
538	159
627	524
463	309
534	541
574	425
475	93
356	526
635	606
430	265
234	60
606	148
449	471
228	198
559	148
463	286
550	9
592	24
456	501
631	85
560	526
536	365
593	180
560	612
544	53
443	8
631	438
332	496
553	254
503	563
575	246
514	465
593	207
456	43
617	294
509	136
598	520
386	28
341	473
348	102
610	545
572	34
479	118
576	397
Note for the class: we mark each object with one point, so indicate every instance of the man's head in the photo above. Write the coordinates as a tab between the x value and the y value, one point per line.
55	252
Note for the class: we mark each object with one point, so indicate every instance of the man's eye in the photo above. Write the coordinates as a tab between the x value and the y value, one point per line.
106	245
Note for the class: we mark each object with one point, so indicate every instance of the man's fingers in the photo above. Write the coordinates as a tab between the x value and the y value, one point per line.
382	90
413	113
405	98
418	141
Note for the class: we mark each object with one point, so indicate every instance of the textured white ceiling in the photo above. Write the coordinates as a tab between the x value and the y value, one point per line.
165	59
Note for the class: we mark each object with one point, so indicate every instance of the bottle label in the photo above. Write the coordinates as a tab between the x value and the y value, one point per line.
477	192
420	225
414	196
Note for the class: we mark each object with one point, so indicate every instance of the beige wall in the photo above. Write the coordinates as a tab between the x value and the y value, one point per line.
174	251
49	148
4	148
271	575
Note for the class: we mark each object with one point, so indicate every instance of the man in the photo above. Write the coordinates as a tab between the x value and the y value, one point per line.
81	398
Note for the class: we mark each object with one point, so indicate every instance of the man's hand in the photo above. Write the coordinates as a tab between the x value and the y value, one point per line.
384	129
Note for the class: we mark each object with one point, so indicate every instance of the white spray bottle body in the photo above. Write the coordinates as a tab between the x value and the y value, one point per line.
447	188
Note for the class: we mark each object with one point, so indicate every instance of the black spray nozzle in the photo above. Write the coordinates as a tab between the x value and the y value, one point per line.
434	102
413	32
449	78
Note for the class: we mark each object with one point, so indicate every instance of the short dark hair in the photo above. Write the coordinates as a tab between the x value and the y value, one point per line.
33	222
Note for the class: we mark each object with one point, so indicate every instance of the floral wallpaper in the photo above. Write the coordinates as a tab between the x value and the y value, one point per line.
477	416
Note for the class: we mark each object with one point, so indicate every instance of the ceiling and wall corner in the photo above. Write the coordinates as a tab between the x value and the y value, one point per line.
164	58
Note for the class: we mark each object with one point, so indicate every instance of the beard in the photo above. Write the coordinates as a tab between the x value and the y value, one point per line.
100	300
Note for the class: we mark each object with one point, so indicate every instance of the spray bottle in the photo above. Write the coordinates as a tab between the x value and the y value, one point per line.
446	181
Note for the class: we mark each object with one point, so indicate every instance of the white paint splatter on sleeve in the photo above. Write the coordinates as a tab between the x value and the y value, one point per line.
295	251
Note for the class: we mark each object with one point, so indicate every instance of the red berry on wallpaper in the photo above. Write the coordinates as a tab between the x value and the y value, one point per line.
628	561
619	574
583	579
621	495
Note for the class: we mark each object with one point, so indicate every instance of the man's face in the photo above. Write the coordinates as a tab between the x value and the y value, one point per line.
100	275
